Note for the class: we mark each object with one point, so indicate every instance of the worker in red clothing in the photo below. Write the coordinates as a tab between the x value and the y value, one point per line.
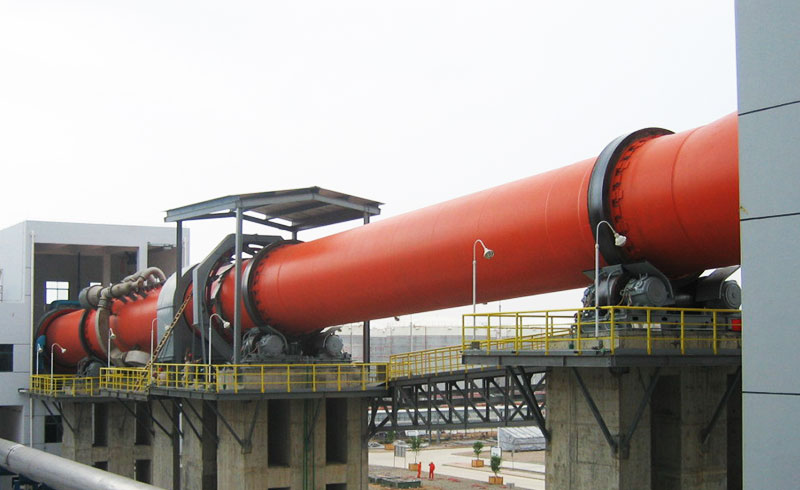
431	467
419	469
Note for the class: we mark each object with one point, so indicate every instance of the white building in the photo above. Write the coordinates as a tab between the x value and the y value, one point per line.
43	261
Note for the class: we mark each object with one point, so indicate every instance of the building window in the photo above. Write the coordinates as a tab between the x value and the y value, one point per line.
56	290
6	358
53	430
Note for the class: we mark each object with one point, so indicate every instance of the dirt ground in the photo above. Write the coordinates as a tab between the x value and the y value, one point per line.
440	483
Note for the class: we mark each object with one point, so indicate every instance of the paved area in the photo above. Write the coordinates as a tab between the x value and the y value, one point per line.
455	462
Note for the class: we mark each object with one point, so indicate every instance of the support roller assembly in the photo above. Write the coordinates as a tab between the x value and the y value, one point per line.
673	196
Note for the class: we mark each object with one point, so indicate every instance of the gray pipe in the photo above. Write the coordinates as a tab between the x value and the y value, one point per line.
61	473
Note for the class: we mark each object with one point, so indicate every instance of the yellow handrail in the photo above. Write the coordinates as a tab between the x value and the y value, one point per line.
632	327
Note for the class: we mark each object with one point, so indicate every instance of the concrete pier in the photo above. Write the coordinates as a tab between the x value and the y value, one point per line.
314	443
110	436
656	440
293	443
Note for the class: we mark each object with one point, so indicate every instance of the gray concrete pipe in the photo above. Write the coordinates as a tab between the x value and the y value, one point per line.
60	473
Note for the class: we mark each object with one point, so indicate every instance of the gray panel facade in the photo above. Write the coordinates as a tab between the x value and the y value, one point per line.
766	53
769	277
770	156
771	433
768	42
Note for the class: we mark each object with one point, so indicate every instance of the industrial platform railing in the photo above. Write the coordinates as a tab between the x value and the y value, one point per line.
64	385
442	360
246	378
647	329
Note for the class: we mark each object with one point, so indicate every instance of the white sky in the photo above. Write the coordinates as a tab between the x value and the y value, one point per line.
112	112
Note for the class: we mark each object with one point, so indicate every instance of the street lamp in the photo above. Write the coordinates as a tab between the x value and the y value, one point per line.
225	324
487	254
111	336
619	241
63	351
39	350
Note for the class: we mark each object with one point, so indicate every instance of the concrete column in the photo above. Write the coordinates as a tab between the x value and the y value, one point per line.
665	451
298	452
163	467
579	455
141	256
77	445
199	455
238	467
121	440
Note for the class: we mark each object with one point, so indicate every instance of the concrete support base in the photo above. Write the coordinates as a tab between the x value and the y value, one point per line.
316	443
166	458
109	436
300	444
199	455
653	441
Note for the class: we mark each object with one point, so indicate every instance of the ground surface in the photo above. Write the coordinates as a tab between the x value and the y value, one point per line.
454	470
442	482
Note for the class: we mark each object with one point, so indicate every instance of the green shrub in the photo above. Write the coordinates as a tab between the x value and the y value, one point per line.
477	448
496	460
415	443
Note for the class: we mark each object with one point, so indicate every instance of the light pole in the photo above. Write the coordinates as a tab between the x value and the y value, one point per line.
487	254
619	241
111	335
225	324
39	350
63	351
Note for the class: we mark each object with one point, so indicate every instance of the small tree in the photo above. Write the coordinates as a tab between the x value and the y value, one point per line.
477	448
496	460
415	443
389	437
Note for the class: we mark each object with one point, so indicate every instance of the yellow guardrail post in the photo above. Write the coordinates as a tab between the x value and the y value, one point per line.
314	378
649	333
547	333
463	332
363	377
339	377
613	321
714	345
488	340
580	331
683	333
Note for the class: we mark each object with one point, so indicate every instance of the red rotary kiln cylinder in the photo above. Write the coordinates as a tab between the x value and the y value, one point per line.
675	197
76	331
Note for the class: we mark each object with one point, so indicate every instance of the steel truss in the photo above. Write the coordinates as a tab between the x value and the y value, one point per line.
473	399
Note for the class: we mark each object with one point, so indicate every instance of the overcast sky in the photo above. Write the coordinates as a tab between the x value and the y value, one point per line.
112	112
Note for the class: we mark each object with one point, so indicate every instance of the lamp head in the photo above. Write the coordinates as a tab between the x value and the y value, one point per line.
619	240
63	350
488	253
226	324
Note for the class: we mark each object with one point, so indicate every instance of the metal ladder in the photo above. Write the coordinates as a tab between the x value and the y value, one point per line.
167	335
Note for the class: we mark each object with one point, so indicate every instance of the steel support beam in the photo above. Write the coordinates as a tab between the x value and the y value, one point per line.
237	295
706	432
597	416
